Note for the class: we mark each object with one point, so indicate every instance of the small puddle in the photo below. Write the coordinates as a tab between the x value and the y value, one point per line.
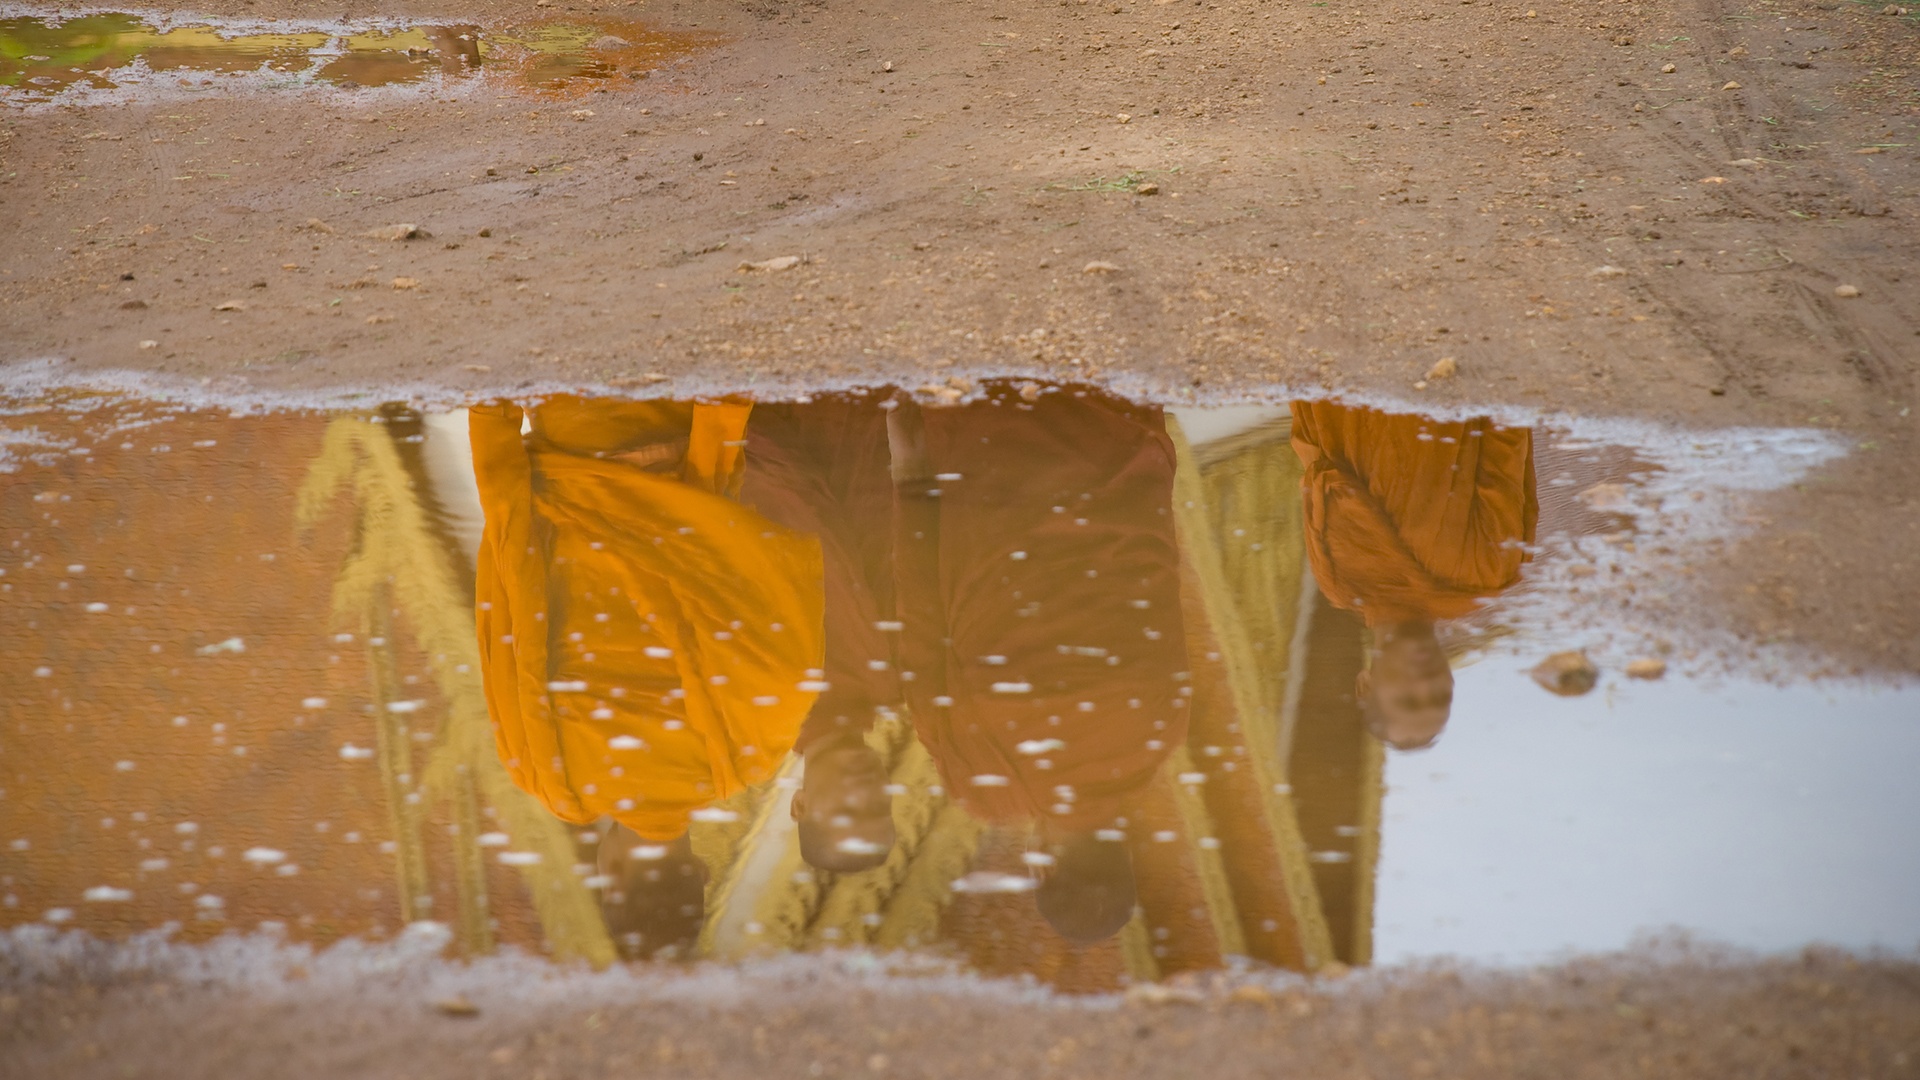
44	57
1041	681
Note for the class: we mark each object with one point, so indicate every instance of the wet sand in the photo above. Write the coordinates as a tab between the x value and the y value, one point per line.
1657	1013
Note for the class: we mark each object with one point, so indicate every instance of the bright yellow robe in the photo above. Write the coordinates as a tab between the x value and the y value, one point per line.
649	646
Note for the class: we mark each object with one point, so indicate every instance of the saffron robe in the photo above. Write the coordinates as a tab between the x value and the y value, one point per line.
649	646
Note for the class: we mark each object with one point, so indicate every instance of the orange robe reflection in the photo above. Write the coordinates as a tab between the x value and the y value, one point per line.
649	645
1412	518
1038	581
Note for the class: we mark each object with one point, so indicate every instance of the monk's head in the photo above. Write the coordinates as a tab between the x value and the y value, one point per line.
1088	894
844	811
654	899
1406	693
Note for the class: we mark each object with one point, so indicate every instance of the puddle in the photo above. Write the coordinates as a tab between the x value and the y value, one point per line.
1043	683
92	57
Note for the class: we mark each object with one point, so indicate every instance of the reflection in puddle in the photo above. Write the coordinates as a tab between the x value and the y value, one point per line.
43	57
1048	682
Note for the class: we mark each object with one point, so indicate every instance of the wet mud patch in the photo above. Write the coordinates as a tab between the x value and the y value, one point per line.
118	55
1024	678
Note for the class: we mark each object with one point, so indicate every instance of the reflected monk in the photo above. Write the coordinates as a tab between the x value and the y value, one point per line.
1410	521
822	468
1038	592
649	645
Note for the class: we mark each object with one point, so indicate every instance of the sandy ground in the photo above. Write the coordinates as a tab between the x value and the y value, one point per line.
1817	1015
1346	195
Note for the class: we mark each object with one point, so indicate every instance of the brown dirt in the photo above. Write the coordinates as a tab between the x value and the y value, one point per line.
1346	194
1820	1015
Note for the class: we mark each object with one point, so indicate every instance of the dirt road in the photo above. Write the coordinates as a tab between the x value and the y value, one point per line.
1622	208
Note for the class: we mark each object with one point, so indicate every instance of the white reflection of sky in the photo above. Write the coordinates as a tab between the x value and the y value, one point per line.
1759	817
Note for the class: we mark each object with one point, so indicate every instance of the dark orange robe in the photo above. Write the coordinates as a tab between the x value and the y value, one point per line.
1038	585
1412	518
649	645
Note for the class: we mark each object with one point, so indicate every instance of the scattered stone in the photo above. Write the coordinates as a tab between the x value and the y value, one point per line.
1029	391
1161	994
405	230
783	262
406	283
1608	271
1607	498
149	344
1125	118
1100	266
1568	674
314	224
581	114
457	1005
1668	69
481	368
1746	163
134	305
888	66
486	232
1623	39
1647	667
1148	188
1251	995
1846	292
609	41
1444	368
1731	85
1713	179
1737	51
231	305
375	320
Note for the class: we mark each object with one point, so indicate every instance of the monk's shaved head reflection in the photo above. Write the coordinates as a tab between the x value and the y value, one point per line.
1088	893
1411	521
843	811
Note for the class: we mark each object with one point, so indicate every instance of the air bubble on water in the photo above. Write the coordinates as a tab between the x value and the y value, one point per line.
1193	778
854	845
1210	843
813	686
123	766
598	881
889	626
988	881
58	915
286	870
43	673
567	686
1165	836
1016	556
21	844
626	742
107	894
1012	688
1109	835
989	780
313	703
993	661
1036	858
350	752
1033	747
765	700
186	828
263	856
715	813
96	608
209	902
895	790
519	858
657	652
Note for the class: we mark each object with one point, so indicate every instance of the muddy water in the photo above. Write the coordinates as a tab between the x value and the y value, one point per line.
1037	679
46	56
